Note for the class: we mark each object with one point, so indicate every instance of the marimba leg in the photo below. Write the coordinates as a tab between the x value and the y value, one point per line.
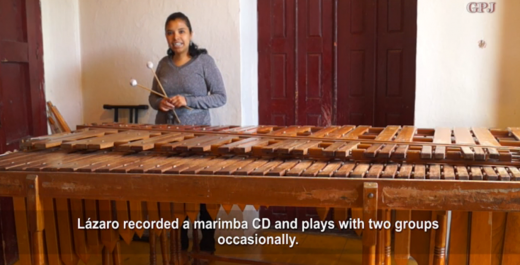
122	216
67	252
91	211
499	237
109	237
195	247
164	247
421	247
35	220
387	216
439	257
481	238
380	244
153	254
459	232
175	248
136	214
51	232
38	255
79	235
402	239
369	213
165	211
181	234
357	213
105	258
116	254
384	240
207	242
511	252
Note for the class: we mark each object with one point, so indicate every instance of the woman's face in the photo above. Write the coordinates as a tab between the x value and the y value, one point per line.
178	36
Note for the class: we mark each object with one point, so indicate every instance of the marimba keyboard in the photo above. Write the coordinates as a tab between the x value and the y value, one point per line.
56	160
113	168
265	145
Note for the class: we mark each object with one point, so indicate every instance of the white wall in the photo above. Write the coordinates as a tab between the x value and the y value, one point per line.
249	61
458	83
119	37
62	58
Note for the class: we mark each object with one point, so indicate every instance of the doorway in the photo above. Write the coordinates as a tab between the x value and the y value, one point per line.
332	62
335	62
22	99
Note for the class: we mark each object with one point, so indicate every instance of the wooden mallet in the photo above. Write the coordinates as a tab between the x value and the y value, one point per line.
134	83
150	66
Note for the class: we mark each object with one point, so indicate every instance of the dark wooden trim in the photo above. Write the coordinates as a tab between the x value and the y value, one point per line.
37	87
335	66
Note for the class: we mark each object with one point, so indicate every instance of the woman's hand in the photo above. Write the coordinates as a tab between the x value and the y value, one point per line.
178	101
166	104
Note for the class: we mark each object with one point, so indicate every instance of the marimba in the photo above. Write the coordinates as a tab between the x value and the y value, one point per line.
115	171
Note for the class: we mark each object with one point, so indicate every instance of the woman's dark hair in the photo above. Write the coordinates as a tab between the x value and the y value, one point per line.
193	48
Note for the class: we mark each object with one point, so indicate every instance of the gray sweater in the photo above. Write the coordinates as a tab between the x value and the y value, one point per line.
199	81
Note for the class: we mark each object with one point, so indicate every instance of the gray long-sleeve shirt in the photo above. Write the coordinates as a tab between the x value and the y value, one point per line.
199	81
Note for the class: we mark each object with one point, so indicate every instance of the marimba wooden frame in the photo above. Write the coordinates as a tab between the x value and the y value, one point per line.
395	194
369	194
370	198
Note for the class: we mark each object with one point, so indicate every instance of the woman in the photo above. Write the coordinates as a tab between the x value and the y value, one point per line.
190	78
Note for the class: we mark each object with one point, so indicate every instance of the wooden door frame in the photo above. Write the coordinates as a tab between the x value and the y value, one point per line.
37	113
37	82
37	121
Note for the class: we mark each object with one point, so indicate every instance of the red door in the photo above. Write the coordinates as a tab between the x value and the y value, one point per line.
324	62
22	101
277	61
314	62
376	62
396	56
296	44
295	41
357	42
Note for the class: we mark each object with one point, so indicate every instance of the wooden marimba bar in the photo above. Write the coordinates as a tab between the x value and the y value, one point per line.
172	170
391	144
471	136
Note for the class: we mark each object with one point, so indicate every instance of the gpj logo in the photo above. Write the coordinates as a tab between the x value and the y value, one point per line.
481	7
